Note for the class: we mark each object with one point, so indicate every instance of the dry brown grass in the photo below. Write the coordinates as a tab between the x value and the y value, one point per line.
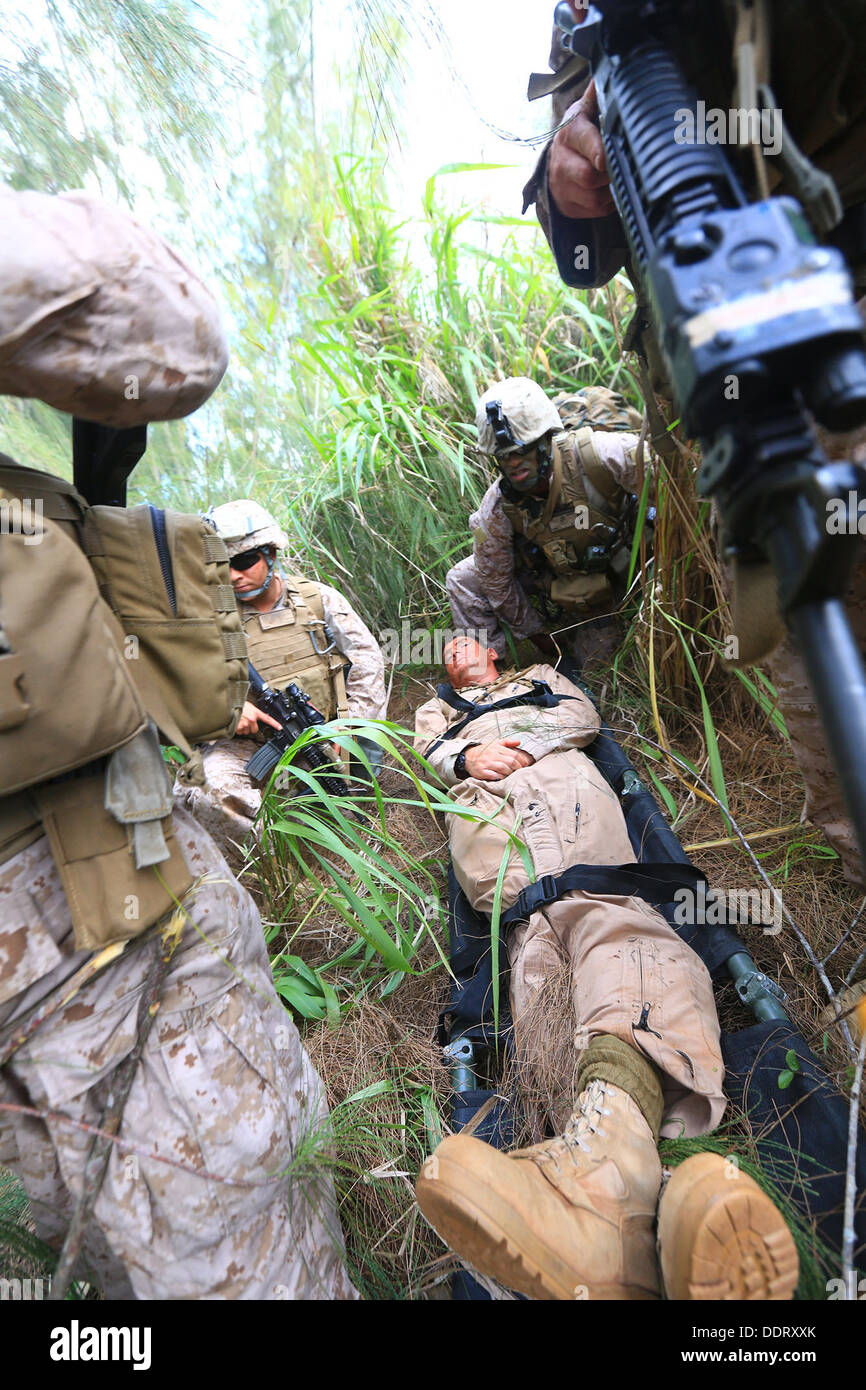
382	1140
545	1090
766	791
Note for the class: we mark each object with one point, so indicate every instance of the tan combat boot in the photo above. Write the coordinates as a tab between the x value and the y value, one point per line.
721	1237
572	1218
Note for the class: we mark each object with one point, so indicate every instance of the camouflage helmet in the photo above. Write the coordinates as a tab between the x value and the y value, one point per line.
512	415
245	524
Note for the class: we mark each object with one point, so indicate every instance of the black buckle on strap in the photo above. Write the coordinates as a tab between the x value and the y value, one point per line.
534	896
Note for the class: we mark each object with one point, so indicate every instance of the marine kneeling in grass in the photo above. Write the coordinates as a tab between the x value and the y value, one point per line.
576	1216
297	630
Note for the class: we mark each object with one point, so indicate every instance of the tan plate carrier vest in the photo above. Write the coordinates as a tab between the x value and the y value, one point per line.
293	643
95	642
583	494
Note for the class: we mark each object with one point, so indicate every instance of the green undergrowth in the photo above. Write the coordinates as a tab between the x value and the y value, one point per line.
343	858
336	856
23	1256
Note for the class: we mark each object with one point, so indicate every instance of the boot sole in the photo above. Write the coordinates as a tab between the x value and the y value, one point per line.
496	1241
723	1238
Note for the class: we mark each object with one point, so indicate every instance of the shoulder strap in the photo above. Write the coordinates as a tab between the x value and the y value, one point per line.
541	696
601	479
341	698
55	497
555	485
309	594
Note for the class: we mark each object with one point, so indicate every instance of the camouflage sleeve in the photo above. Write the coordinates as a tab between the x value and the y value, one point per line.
493	537
365	683
616	451
99	317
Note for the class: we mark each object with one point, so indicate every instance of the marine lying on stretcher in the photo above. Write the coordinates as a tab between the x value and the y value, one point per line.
578	1216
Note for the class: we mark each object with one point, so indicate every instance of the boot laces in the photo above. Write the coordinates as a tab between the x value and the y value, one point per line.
585	1120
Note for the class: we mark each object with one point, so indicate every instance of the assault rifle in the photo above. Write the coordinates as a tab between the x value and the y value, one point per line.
742	292
293	710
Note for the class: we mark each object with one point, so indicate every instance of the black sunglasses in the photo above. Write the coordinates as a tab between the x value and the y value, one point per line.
245	560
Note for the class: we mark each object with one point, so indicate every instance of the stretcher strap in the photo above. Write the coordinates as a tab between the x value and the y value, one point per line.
655	883
541	695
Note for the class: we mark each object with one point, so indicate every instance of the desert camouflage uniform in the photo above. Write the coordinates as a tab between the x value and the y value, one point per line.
91	305
230	803
631	975
99	316
223	1087
487	589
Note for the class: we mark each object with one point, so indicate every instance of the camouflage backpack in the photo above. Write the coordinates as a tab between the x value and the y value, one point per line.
110	617
598	407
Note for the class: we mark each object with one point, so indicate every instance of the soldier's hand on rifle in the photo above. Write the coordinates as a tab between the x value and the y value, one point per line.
491	761
577	170
250	720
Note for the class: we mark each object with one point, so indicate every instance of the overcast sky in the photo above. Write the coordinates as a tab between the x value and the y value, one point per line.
468	63
465	75
495	44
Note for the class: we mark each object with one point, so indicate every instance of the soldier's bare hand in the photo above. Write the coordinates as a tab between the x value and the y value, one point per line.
489	762
250	720
577	170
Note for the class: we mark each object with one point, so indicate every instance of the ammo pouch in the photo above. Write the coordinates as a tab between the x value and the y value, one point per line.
293	642
82	666
166	576
581	591
110	896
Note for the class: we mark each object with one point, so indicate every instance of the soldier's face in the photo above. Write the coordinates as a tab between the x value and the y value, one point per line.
467	661
245	580
521	470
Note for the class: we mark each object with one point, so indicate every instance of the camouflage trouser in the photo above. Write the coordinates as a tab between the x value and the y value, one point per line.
590	641
223	1090
227	807
824	802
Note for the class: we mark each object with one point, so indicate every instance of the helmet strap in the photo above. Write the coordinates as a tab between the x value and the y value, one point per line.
256	593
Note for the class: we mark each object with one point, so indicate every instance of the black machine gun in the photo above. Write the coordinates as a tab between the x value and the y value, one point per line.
293	710
742	292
